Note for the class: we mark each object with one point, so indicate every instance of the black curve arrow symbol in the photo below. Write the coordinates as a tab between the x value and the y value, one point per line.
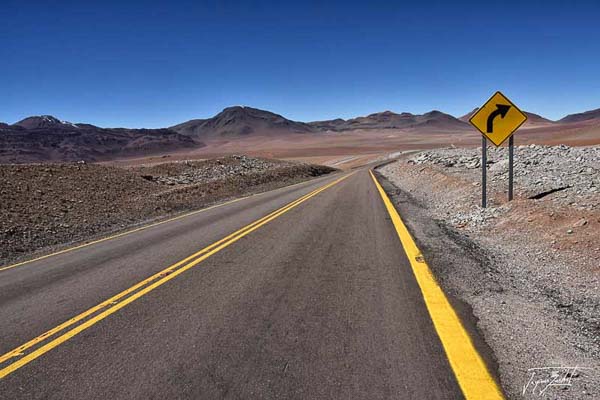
501	110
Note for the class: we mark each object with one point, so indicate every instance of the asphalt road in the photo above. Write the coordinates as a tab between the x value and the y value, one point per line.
318	301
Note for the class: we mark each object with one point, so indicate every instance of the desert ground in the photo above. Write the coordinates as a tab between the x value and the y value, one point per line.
349	149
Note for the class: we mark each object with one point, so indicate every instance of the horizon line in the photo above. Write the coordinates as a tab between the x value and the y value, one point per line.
293	120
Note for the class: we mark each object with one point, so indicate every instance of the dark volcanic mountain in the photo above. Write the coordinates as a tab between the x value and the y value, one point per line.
241	121
46	138
584	116
389	120
44	122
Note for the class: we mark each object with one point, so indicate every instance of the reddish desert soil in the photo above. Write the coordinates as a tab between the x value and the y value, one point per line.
45	205
363	146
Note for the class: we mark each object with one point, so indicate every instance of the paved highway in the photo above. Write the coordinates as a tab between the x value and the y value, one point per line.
314	291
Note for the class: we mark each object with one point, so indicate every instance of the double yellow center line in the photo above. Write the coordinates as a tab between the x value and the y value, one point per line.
45	342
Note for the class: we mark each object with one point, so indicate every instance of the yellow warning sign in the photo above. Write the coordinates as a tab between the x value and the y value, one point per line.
498	118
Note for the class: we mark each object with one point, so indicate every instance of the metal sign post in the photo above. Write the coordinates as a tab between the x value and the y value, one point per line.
511	151
483	172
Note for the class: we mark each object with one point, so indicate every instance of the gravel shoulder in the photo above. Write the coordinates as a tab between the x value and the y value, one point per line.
47	206
528	269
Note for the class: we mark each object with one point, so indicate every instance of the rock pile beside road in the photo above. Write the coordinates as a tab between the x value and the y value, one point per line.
196	172
45	205
567	174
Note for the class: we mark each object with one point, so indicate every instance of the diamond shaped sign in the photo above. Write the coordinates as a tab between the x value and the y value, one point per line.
498	119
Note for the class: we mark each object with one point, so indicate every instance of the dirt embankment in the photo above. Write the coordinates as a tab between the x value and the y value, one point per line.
529	269
53	204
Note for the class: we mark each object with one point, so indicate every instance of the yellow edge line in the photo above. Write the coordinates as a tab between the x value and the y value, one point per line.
207	252
469	368
118	235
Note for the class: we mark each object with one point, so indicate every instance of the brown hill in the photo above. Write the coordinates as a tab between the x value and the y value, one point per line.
241	121
537	119
328	125
46	138
580	117
467	116
532	119
433	120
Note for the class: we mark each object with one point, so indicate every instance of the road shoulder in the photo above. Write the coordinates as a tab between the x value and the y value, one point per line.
523	328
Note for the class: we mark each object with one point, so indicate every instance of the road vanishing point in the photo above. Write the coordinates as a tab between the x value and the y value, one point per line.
312	291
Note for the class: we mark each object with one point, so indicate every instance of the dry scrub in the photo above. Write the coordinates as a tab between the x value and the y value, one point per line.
45	205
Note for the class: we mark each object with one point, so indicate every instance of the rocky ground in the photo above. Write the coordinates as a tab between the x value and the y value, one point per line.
529	269
47	205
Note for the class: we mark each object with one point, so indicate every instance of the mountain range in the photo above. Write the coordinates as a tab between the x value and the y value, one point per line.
245	121
532	119
46	138
242	121
390	120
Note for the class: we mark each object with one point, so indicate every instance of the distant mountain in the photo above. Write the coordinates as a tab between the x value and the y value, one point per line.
328	125
46	138
436	120
584	116
44	122
537	119
532	119
467	116
241	121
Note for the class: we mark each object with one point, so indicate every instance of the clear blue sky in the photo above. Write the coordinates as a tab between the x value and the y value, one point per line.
151	64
